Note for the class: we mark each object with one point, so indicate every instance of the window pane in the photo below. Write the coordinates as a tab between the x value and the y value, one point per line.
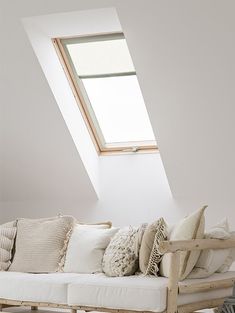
101	57
119	108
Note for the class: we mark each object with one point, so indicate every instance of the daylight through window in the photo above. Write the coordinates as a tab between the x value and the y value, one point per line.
104	81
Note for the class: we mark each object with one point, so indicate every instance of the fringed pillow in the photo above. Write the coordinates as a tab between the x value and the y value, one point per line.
155	256
41	244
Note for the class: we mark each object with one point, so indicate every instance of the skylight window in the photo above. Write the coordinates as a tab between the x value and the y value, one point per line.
104	81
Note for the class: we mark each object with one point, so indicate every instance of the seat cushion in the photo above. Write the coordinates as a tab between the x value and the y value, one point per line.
138	292
50	288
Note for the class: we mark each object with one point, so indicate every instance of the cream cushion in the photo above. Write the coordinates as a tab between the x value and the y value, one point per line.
86	248
137	292
121	255
147	245
230	258
47	288
191	227
7	237
155	256
210	260
41	244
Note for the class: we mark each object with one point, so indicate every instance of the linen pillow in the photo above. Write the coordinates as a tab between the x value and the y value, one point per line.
86	248
121	256
41	244
147	245
156	256
191	227
7	238
230	258
210	260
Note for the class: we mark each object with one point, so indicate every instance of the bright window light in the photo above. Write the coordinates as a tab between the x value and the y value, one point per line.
103	76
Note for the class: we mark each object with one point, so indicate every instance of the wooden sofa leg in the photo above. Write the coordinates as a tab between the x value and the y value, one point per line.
34	308
173	288
73	311
0	307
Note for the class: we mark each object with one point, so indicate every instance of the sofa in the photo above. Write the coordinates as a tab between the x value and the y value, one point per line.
133	293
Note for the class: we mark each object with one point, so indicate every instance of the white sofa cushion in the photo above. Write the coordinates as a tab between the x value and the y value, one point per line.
210	260
86	249
50	288
138	292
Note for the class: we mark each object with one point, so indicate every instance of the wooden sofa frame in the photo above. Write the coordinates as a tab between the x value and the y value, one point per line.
174	288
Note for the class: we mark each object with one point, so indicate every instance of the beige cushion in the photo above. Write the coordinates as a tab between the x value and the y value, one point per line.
230	258
41	244
121	256
147	245
155	256
86	248
210	260
191	227
7	237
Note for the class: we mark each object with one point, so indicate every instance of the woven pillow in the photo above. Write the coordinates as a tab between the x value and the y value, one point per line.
147	245
191	227
7	237
121	256
41	244
155	256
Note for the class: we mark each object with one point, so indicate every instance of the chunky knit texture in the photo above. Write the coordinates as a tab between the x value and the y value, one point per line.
7	237
121	255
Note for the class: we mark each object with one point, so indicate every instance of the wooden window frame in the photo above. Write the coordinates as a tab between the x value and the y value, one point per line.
94	130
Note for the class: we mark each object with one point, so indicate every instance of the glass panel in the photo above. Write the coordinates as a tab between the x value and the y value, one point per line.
101	57
119	108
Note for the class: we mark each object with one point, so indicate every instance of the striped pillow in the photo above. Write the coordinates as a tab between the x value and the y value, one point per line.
7	237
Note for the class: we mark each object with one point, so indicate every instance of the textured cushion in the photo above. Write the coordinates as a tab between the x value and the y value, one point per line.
155	255
191	227
86	248
210	260
230	258
147	245
48	288
137	292
7	237
121	256
41	244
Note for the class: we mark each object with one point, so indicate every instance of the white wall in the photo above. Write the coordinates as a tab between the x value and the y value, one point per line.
184	56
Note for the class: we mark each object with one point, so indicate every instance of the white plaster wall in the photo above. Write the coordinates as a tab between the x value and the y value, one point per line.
184	55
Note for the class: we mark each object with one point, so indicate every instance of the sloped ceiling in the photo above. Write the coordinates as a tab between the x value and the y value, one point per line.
184	56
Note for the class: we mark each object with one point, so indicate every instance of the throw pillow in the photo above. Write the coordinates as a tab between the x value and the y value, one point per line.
155	255
147	245
86	248
191	227
7	238
121	256
210	260
41	244
230	258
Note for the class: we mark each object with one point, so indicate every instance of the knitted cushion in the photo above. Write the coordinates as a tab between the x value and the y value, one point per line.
41	244
121	256
7	237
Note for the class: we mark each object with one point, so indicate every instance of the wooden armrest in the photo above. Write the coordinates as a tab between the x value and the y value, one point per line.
195	244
